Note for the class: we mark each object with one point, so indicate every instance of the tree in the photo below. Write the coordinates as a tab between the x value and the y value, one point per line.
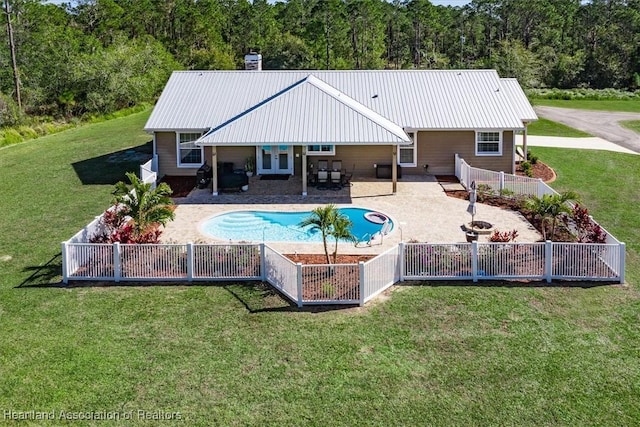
148	208
330	222
322	219
341	231
549	207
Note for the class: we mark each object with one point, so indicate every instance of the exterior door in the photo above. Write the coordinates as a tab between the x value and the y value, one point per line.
275	159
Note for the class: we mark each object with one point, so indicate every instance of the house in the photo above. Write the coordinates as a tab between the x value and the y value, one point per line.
288	120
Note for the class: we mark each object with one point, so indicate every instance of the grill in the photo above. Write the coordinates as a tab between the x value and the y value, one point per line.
204	175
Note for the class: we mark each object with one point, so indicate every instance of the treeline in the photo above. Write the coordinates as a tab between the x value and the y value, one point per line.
96	56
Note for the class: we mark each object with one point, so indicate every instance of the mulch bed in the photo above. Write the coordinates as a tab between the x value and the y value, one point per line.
181	185
540	170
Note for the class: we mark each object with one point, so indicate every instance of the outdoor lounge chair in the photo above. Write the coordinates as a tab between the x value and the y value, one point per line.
346	178
323	180
336	180
323	165
336	165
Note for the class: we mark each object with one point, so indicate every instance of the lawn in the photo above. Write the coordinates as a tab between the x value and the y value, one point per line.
546	127
628	106
237	354
634	125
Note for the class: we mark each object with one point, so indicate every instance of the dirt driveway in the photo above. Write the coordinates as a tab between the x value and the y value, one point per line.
603	124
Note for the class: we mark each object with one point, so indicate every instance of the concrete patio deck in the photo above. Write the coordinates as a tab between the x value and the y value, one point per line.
420	210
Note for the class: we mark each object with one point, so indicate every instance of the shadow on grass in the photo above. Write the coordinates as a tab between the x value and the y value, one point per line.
110	168
42	275
511	283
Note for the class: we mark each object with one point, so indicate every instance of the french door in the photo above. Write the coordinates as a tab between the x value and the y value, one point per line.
275	159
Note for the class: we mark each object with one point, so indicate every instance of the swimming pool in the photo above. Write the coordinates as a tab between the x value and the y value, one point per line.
281	226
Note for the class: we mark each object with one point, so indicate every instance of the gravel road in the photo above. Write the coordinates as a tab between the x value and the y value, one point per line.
598	123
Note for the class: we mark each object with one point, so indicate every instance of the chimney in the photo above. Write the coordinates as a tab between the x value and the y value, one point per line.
253	61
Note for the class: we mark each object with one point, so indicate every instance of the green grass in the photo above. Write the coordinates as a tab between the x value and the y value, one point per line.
437	354
546	127
628	106
634	125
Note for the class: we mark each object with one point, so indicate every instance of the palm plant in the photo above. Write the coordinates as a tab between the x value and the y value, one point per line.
341	231
146	207
549	207
322	219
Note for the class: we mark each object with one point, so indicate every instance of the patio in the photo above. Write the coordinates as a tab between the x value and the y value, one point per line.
420	210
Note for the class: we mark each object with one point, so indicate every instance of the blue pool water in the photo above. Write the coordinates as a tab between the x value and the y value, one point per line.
280	226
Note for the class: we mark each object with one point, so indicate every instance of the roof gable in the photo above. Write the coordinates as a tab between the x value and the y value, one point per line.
309	111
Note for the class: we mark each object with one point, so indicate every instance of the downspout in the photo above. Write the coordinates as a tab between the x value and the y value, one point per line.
214	169
524	141
304	170
394	169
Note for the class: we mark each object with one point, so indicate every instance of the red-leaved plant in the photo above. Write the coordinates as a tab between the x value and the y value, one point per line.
588	230
117	227
503	236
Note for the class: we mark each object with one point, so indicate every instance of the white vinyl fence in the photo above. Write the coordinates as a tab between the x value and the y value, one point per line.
514	261
500	181
148	173
350	283
344	283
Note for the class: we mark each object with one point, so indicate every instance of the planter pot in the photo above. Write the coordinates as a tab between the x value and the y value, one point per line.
472	236
249	173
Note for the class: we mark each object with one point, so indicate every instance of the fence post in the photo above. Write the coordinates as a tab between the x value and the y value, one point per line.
501	182
548	260
622	260
263	261
299	284
474	260
457	167
361	284
190	261
401	256
65	263
117	265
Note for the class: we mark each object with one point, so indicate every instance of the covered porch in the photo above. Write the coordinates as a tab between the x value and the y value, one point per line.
308	114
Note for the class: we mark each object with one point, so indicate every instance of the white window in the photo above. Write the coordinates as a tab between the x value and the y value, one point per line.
408	154
321	150
488	143
189	154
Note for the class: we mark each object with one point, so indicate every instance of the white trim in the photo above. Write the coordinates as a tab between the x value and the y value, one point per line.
413	136
332	152
499	142
179	163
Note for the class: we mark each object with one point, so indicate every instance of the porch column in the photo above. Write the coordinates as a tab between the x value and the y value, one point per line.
214	169
304	170
394	169
524	140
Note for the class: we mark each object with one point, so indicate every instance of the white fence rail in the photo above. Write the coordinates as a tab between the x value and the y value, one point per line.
281	273
148	174
500	181
350	283
382	272
330	284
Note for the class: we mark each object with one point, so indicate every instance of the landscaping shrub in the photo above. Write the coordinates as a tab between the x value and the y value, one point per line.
503	236
584	94
526	168
11	136
587	230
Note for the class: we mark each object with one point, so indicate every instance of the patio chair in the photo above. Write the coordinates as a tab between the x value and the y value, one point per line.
323	180
323	165
336	165
336	180
346	178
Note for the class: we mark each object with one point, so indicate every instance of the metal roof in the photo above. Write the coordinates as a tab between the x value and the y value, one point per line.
307	112
410	99
518	99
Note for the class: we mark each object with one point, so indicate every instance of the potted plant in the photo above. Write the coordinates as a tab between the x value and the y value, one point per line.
249	166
